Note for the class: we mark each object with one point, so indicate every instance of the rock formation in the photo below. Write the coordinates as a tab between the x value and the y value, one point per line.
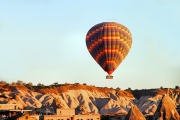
135	114
166	110
92	100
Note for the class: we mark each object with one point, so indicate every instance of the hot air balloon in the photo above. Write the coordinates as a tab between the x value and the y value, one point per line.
109	43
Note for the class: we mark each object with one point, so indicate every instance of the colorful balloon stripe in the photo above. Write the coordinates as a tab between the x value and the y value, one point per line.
108	43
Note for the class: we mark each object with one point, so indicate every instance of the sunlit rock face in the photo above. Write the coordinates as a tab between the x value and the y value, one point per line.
135	114
90	99
167	109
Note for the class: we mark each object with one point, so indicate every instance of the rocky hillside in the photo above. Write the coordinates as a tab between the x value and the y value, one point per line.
88	99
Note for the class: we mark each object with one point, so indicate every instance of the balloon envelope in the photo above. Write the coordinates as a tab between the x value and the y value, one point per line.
108	43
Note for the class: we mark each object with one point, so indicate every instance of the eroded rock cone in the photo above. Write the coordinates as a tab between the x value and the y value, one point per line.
135	114
166	109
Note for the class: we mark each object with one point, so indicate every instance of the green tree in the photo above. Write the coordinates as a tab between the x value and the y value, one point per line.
19	82
13	83
3	82
176	87
118	88
129	89
42	86
29	85
39	84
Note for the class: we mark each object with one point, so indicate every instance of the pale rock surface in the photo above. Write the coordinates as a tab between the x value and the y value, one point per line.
86	101
166	109
148	104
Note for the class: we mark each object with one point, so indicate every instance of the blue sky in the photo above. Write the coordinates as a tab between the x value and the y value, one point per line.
44	42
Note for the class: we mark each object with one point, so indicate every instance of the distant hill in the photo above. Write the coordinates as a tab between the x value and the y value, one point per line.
86	99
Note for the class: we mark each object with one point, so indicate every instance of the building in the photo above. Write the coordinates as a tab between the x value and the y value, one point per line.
58	117
62	111
69	114
28	118
9	107
86	117
11	111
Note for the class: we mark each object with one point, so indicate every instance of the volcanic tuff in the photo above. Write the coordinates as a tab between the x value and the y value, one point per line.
89	99
135	114
166	109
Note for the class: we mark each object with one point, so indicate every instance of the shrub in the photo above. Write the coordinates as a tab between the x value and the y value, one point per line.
3	82
177	87
19	82
118	88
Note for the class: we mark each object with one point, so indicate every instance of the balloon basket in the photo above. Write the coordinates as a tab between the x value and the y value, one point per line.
109	77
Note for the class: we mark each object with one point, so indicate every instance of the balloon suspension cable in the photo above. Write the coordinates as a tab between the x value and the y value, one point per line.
109	77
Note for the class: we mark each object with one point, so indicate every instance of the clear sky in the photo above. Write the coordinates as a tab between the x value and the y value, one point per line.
43	41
